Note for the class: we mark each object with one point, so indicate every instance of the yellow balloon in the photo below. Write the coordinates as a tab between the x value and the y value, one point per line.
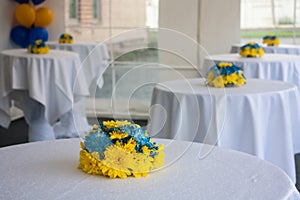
43	17
25	15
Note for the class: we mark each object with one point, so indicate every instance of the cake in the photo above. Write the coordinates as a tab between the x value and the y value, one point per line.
225	74
66	38
118	149
251	49
271	40
38	47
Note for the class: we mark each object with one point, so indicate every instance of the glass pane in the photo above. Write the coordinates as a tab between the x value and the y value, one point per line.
262	17
72	9
95	9
127	51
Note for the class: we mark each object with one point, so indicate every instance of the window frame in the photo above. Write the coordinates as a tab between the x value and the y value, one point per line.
98	10
75	20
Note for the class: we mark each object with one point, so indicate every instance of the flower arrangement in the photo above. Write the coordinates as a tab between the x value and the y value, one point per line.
251	49
66	38
118	149
225	74
271	40
38	47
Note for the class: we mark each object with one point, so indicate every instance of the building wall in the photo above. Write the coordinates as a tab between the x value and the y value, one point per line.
121	19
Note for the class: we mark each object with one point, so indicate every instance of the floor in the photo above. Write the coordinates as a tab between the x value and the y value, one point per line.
17	134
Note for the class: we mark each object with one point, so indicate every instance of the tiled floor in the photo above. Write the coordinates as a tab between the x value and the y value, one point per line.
17	134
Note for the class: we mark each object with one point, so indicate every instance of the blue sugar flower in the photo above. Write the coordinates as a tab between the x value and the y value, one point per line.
97	141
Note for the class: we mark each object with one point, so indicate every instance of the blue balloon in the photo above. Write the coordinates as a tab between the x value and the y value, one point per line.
22	1
19	35
36	2
38	33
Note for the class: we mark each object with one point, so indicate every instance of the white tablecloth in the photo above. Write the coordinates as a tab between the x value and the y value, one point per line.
49	80
281	49
261	118
95	60
271	66
48	170
94	57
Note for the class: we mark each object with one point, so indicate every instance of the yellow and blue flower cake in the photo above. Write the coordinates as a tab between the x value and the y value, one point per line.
118	149
225	74
38	47
66	38
251	49
271	40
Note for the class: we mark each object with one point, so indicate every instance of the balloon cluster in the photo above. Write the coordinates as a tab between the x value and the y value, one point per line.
32	23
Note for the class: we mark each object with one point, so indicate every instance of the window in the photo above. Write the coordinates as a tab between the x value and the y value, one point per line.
129	28
262	17
96	15
72	12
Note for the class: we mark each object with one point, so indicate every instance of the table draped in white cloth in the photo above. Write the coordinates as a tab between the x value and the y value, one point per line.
271	66
94	57
48	170
95	60
261	118
281	49
42	85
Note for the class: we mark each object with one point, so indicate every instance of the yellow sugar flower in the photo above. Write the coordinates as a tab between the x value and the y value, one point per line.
115	124
117	135
82	145
224	64
231	78
159	159
146	151
218	82
141	165
122	123
95	126
241	80
261	52
117	162
89	164
210	76
129	146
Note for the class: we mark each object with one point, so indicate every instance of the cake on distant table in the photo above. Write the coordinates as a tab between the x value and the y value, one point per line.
271	40
251	49
225	74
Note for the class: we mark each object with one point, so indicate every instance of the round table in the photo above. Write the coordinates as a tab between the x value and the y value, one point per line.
44	86
281	49
271	66
94	57
94	61
48	170
260	118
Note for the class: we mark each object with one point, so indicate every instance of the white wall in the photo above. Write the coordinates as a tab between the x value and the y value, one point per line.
180	41
7	21
214	24
219	25
57	26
